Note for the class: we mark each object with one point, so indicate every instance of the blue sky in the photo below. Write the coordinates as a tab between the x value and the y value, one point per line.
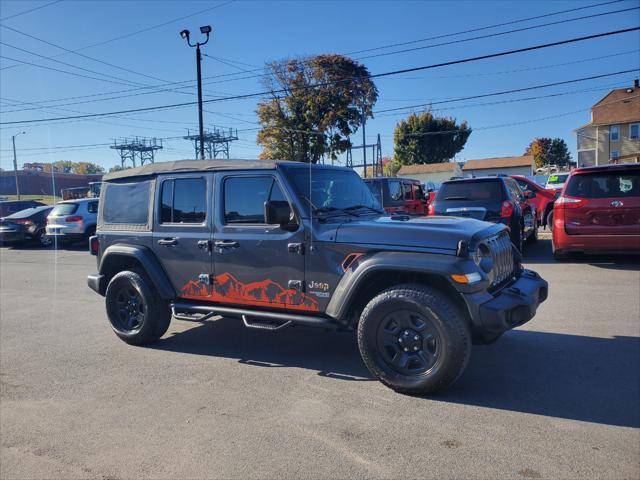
248	33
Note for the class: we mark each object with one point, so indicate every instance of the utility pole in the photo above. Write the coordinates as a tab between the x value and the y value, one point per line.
15	162
185	34
364	140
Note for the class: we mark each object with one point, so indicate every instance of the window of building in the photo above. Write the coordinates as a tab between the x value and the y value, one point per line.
615	154
615	133
634	131
183	200
244	198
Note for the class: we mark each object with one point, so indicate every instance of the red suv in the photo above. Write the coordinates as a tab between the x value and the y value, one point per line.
399	195
542	202
598	211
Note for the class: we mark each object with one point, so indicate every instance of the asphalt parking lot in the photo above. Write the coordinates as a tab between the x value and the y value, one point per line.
557	398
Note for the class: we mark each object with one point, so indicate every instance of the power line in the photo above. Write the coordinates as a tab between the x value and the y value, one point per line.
30	10
497	34
379	75
478	29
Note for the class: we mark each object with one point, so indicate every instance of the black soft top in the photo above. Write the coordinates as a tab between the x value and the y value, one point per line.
203	165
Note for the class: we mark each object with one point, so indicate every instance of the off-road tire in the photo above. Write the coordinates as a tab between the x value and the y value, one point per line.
157	314
444	317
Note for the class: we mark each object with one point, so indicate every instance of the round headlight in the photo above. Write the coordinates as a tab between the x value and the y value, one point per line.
482	257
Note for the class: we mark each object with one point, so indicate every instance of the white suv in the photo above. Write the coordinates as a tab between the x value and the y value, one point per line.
73	220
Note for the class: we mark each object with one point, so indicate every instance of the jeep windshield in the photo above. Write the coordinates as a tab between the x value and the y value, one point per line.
332	191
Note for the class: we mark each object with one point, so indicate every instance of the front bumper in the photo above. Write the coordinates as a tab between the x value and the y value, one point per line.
514	305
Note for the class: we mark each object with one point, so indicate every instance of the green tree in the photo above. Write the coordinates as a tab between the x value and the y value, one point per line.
87	168
424	138
316	104
549	151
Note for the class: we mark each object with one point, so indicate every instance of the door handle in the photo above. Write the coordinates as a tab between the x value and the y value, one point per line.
168	242
226	244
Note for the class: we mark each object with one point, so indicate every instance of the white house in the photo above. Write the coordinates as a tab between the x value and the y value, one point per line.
431	172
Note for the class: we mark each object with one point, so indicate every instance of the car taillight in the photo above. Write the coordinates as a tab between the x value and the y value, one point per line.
23	221
506	209
432	209
569	202
73	218
94	245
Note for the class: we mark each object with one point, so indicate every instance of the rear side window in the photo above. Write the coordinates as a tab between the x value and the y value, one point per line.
395	190
604	184
64	209
126	203
471	191
183	200
92	207
376	188
244	198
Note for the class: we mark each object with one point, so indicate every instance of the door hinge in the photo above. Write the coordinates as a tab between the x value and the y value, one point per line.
296	248
205	278
297	285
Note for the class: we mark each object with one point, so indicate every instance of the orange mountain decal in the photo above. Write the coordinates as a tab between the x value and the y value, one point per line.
225	288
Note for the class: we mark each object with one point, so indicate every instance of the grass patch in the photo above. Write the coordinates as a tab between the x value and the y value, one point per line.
48	199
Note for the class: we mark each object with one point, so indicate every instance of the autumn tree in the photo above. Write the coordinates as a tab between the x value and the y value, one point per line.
548	151
315	104
84	168
425	138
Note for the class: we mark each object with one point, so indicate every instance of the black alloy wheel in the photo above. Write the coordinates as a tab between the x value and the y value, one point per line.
131	309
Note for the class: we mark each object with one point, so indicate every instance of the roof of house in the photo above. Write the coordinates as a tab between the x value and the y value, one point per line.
618	106
500	162
427	168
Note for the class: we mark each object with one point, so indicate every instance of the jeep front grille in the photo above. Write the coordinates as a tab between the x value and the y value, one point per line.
502	254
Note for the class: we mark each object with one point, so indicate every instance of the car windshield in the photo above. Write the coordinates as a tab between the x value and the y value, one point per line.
332	189
64	209
481	191
556	179
604	185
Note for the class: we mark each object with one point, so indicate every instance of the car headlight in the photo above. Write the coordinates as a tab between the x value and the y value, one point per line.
483	259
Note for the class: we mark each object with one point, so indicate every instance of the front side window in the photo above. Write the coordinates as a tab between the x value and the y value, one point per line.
408	194
524	186
395	190
615	133
634	131
244	198
183	200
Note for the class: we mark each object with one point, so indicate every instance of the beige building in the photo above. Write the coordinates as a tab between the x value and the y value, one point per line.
431	172
523	165
613	134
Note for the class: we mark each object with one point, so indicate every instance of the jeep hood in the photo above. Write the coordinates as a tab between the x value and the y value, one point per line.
437	233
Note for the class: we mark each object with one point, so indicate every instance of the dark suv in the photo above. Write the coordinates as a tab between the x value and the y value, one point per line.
280	244
492	199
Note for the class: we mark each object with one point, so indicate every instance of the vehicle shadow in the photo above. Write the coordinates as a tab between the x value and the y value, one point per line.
558	375
540	252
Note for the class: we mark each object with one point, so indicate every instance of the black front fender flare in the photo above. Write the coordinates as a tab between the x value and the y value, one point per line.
424	263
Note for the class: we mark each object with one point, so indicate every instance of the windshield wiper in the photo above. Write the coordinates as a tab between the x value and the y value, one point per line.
456	198
358	207
339	211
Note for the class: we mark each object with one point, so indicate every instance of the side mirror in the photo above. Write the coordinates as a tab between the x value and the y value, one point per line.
278	212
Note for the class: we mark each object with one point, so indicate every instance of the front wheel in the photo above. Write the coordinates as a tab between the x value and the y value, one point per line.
414	339
136	312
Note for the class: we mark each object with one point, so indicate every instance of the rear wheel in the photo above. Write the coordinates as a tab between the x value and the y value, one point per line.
414	339
136	312
550	220
42	239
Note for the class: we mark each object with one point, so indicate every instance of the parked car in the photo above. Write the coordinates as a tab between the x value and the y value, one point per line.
25	226
492	199
12	206
280	244
598	211
542	201
556	181
73	220
399	195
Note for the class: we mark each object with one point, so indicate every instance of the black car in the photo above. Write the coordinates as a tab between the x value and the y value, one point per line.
8	207
492	199
281	244
25	226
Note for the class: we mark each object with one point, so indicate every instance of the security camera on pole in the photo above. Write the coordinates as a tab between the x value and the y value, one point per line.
185	34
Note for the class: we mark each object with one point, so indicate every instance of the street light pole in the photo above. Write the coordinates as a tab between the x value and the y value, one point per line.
185	34
15	162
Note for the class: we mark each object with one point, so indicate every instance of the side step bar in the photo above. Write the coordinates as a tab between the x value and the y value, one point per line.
274	320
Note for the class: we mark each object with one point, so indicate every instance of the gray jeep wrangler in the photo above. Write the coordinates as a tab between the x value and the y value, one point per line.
280	244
